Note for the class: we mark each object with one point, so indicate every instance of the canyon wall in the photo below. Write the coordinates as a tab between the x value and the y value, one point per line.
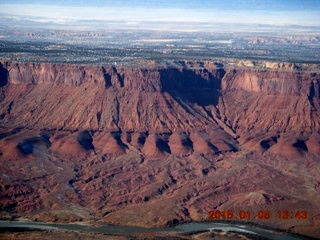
95	97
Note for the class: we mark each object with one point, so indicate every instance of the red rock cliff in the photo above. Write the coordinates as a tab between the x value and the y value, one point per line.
110	98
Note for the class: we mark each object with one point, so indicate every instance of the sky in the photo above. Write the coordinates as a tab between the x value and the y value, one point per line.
278	12
235	4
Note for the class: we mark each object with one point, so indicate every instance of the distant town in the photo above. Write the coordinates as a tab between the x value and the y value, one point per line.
120	43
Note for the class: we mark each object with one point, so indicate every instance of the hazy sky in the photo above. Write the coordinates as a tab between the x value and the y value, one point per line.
235	4
280	12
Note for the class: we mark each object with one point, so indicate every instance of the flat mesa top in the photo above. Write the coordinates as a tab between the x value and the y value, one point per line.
207	64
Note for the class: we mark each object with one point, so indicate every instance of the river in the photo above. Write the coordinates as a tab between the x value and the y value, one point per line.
185	228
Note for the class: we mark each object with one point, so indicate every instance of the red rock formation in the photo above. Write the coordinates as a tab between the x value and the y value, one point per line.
145	146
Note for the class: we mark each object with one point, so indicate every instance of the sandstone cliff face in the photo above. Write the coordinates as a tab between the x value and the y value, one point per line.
271	82
271	101
100	142
108	98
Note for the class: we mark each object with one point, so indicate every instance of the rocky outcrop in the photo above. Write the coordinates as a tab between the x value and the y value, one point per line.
293	83
271	101
106	98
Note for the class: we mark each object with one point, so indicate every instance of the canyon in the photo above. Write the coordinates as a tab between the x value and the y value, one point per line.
154	146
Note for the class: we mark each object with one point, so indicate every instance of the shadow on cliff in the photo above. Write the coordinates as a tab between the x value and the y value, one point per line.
3	76
189	86
108	78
